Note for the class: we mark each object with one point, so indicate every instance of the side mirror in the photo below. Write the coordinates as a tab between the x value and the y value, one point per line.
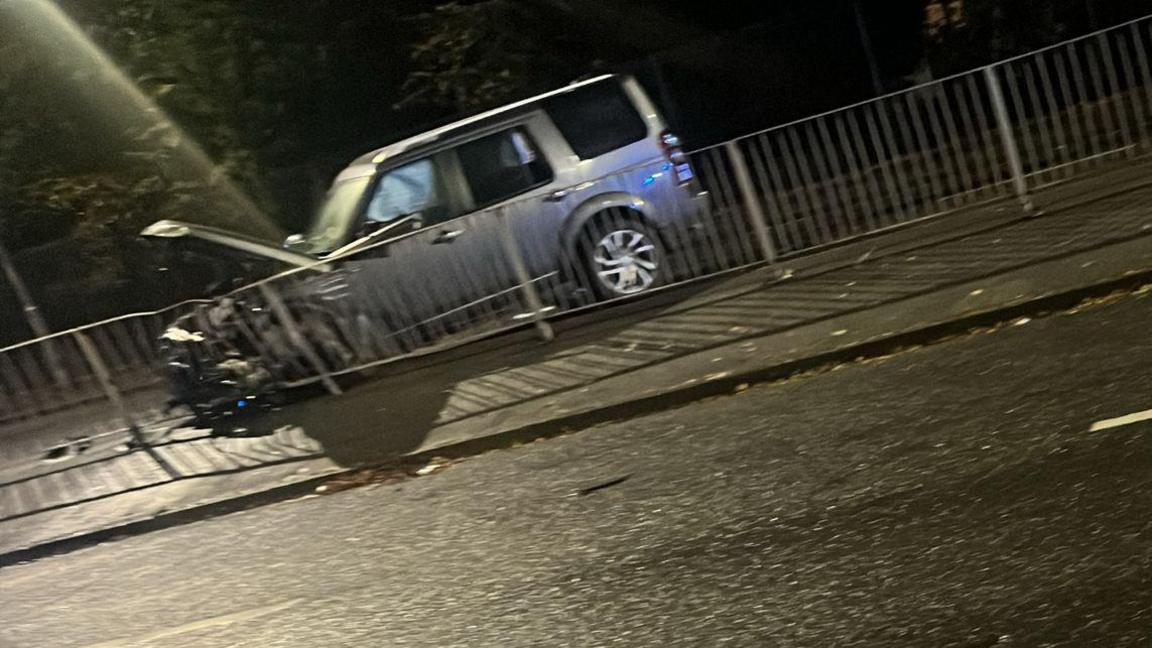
297	243
371	232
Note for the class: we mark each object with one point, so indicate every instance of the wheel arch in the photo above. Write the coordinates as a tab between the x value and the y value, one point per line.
593	207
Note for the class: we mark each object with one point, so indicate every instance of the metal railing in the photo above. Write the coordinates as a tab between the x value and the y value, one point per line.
993	134
72	368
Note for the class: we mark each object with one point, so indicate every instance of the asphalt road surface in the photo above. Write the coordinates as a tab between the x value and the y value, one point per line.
955	495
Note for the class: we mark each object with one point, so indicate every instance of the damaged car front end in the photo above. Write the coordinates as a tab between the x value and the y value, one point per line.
251	349
223	382
229	361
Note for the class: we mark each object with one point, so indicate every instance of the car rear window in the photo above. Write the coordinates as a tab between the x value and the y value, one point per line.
597	119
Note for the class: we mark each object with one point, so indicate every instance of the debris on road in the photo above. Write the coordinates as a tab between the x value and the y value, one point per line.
429	469
73	448
615	481
385	474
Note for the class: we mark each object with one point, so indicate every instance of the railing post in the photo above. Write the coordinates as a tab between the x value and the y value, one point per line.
1008	139
752	201
112	393
520	270
297	337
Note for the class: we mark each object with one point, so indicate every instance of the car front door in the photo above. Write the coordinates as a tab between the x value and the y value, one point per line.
399	290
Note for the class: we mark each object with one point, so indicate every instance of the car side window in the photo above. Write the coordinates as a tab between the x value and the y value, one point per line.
411	189
502	165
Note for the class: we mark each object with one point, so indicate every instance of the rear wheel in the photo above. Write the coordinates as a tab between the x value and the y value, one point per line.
623	257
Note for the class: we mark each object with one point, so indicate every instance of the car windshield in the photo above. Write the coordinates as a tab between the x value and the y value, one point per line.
336	215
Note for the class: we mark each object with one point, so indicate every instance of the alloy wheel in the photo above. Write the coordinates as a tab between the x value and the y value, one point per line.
626	262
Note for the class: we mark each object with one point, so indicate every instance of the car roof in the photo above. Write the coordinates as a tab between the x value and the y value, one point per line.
383	153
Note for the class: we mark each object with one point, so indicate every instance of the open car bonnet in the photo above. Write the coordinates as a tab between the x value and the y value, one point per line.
168	229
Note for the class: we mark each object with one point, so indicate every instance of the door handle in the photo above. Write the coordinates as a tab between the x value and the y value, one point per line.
557	196
447	236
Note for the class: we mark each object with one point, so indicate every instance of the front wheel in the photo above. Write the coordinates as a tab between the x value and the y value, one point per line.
624	258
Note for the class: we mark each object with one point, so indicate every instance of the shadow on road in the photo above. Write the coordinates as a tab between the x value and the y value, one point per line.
391	413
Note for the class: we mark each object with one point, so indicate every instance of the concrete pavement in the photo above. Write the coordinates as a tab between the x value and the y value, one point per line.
707	339
952	496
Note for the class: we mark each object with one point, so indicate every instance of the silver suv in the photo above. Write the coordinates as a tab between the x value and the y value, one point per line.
586	182
550	155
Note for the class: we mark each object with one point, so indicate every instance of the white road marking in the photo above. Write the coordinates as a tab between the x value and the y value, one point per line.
212	622
1121	421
